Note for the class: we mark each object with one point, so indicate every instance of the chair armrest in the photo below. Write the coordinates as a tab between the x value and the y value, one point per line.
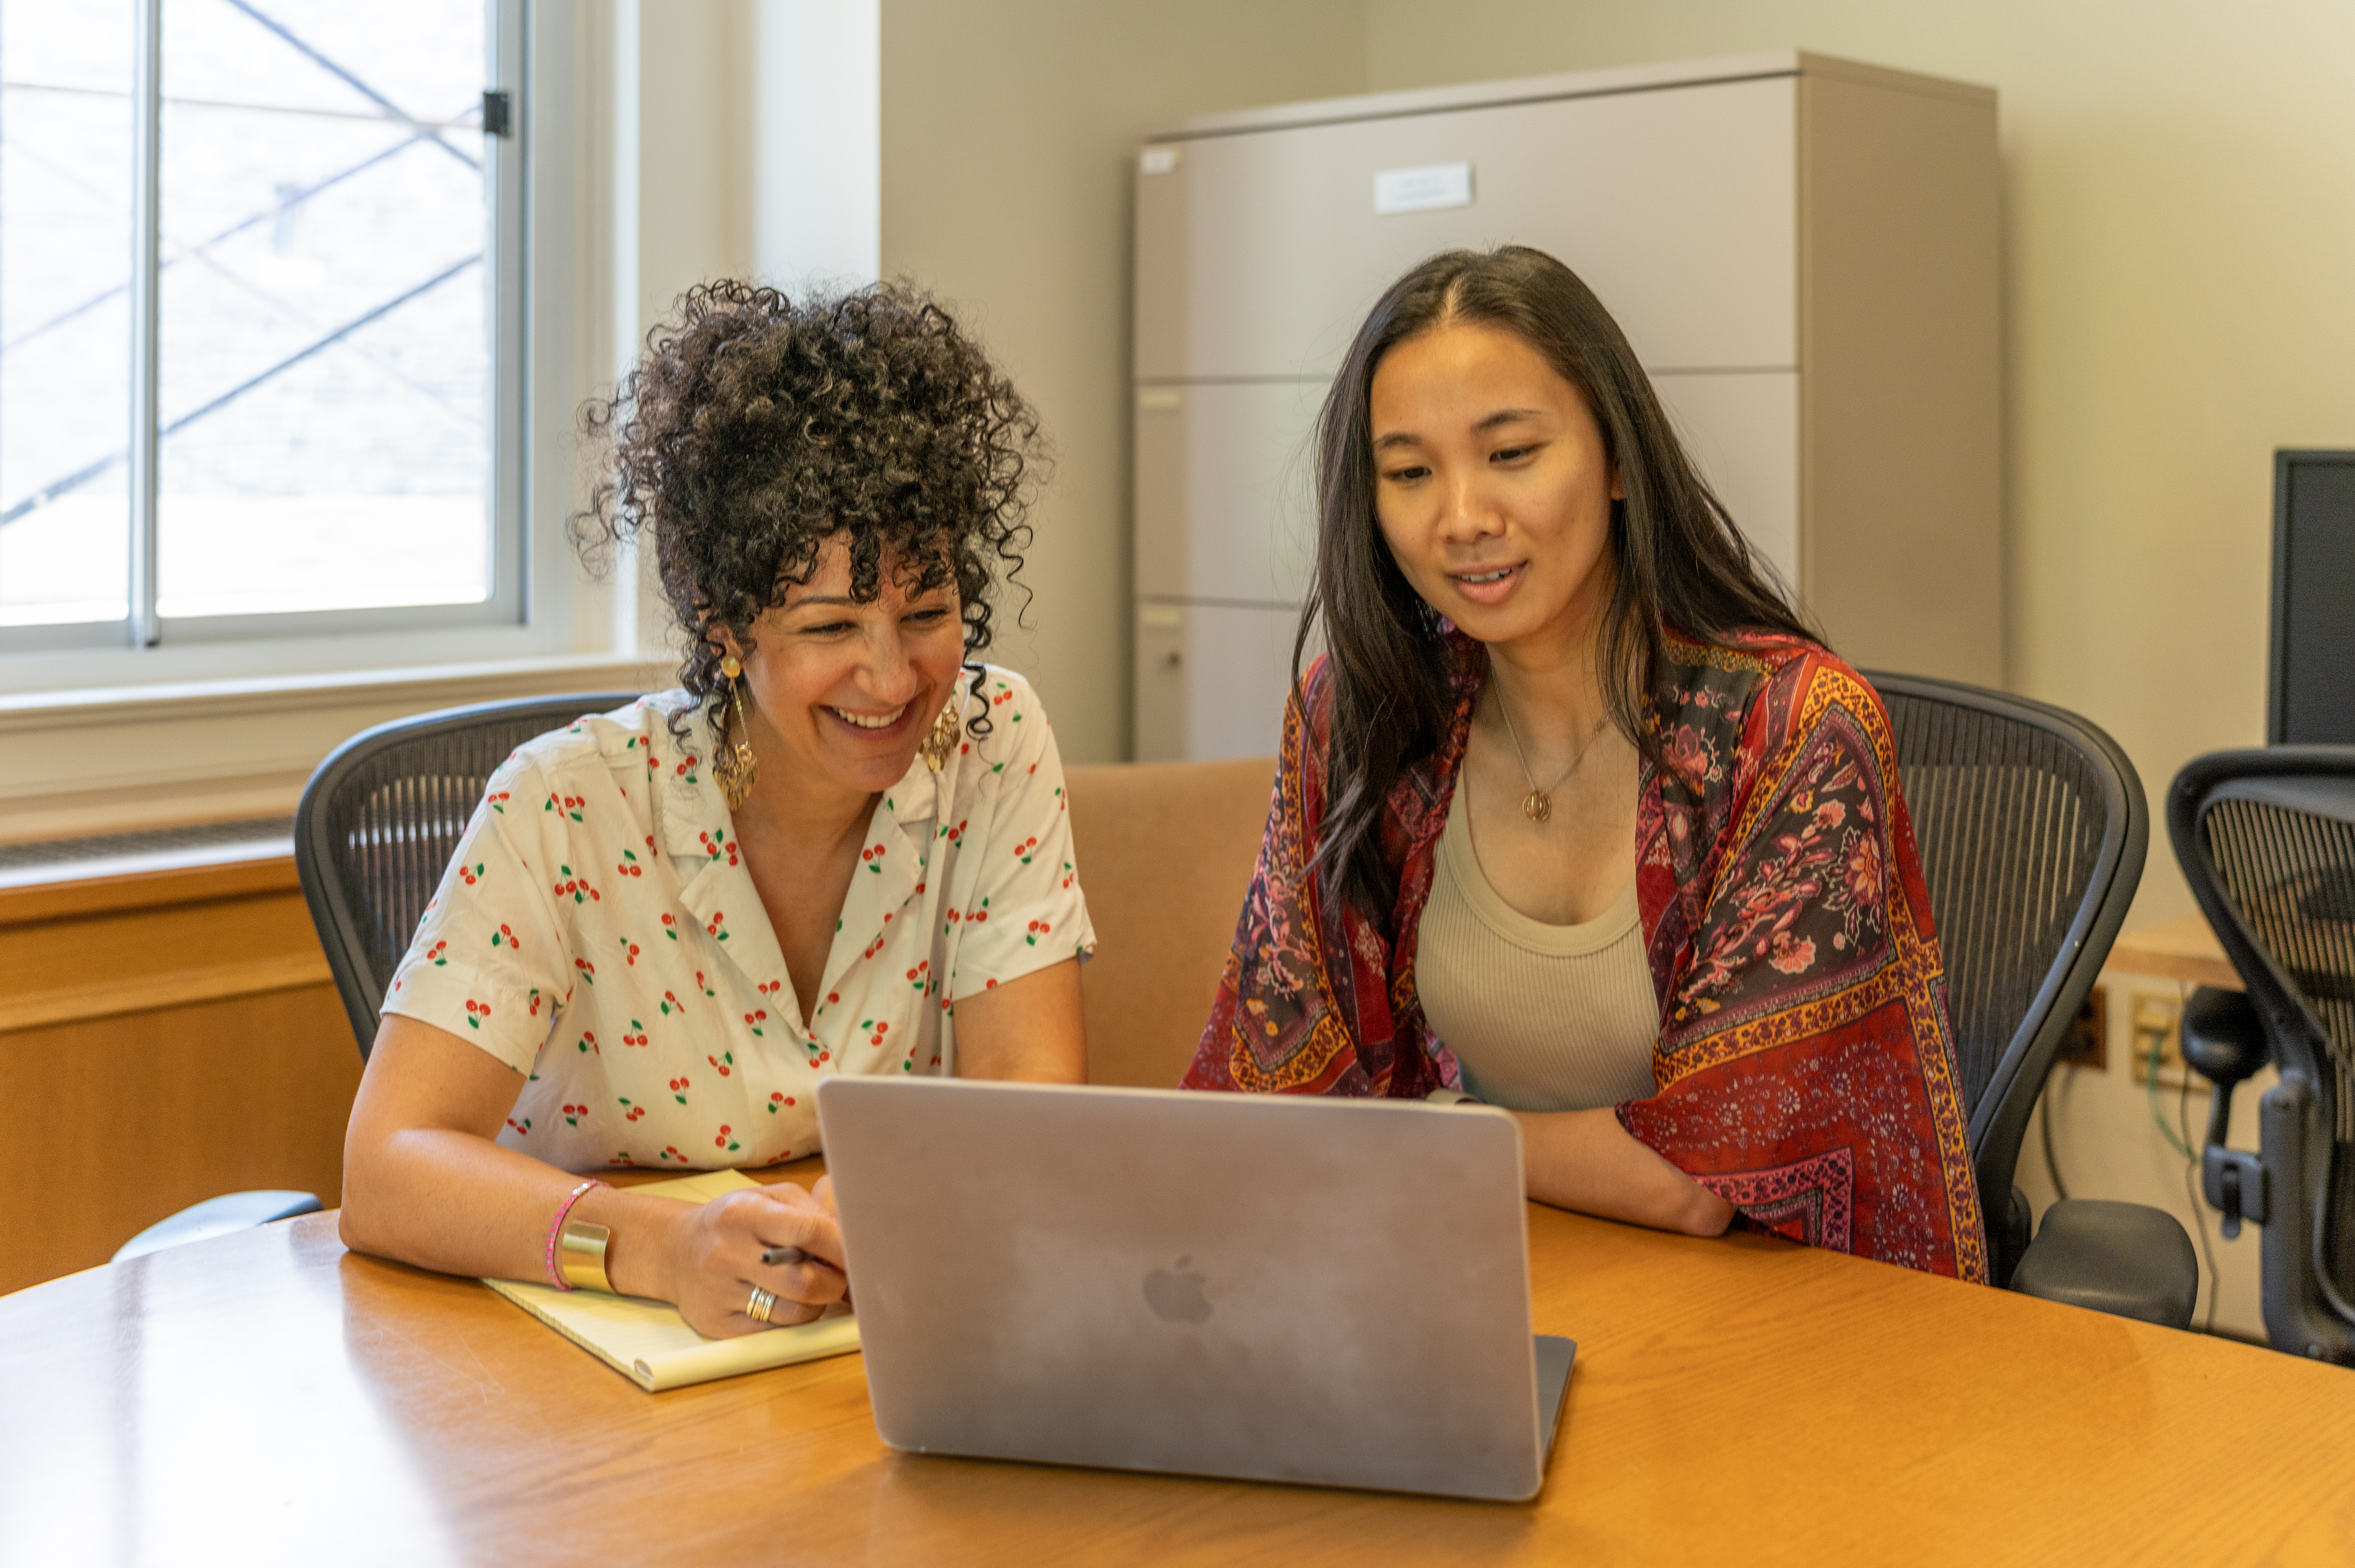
217	1217
2124	1259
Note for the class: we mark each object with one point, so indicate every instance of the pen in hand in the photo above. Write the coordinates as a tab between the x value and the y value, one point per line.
777	1254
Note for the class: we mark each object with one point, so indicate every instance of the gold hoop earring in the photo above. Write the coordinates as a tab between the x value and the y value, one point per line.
942	744
735	767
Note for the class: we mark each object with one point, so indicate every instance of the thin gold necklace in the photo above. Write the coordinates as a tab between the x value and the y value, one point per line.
1538	804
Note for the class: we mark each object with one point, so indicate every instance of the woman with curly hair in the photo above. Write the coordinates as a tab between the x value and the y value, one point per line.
1579	818
841	848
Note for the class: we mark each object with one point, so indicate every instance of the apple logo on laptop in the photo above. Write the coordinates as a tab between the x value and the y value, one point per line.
1176	1297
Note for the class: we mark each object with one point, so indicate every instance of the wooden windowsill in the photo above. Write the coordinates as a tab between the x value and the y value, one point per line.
69	897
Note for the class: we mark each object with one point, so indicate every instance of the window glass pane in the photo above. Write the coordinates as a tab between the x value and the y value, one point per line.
325	356
65	310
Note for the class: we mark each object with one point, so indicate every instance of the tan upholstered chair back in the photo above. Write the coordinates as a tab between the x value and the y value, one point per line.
1165	852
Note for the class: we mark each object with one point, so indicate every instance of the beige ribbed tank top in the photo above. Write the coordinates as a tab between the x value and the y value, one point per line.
1542	1017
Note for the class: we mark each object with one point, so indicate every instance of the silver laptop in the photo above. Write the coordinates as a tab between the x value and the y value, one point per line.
1263	1287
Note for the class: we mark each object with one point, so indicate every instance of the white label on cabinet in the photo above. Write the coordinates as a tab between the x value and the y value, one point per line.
1156	161
1423	189
1161	618
1159	399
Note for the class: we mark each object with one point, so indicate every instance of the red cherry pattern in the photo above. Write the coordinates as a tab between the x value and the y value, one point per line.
433	955
724	1140
678	1087
638	1038
628	865
572	1115
575	884
725	1062
632	1111
588	971
588	1042
506	938
670	928
475	1012
470	875
1038	930
628	951
565	805
522	1128
872	859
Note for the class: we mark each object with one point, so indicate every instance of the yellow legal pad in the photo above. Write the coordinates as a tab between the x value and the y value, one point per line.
650	1343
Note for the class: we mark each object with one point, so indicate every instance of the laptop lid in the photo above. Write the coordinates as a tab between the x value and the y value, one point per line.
1263	1287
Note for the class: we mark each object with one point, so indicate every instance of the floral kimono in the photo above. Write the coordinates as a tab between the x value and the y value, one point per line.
1804	1066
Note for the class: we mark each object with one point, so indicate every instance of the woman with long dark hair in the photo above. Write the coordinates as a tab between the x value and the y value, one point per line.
1577	817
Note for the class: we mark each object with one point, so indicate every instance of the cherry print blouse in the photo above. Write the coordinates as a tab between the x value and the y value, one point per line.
598	932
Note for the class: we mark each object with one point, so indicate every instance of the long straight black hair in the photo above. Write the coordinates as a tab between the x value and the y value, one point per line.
1677	559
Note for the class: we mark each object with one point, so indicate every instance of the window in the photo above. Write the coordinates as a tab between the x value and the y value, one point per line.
261	319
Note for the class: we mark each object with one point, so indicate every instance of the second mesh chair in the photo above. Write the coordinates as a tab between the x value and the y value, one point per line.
2266	839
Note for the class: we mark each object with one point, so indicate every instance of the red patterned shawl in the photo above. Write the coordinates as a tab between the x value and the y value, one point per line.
1806	1061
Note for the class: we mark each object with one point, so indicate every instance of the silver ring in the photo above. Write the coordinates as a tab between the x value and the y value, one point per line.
759	1307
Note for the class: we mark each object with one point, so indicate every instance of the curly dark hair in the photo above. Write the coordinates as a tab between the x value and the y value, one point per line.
753	429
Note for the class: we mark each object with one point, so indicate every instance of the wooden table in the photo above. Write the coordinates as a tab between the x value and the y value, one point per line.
271	1398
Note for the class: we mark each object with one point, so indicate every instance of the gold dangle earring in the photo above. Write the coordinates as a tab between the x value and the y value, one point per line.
735	767
942	744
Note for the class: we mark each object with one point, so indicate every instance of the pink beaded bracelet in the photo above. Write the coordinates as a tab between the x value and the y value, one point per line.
556	1228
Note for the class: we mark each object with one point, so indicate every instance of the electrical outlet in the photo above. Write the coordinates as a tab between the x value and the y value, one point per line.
2088	1044
2157	1037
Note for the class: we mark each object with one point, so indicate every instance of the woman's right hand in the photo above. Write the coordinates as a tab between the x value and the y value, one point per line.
717	1260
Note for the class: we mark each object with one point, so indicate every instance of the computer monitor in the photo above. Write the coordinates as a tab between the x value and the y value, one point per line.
2310	686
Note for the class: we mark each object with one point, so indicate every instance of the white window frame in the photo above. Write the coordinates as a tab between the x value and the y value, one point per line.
531	612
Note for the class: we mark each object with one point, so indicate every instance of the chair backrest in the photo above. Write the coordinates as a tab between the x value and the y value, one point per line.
2266	839
1165	852
382	817
2032	829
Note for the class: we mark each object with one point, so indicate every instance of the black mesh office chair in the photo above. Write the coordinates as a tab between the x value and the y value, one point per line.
2267	841
375	828
2033	829
382	817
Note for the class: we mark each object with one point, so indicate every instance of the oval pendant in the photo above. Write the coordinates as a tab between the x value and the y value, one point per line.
1536	806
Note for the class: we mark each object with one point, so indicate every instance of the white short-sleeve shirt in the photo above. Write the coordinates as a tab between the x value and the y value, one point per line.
598	932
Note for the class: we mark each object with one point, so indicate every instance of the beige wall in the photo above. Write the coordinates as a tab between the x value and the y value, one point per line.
1008	134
